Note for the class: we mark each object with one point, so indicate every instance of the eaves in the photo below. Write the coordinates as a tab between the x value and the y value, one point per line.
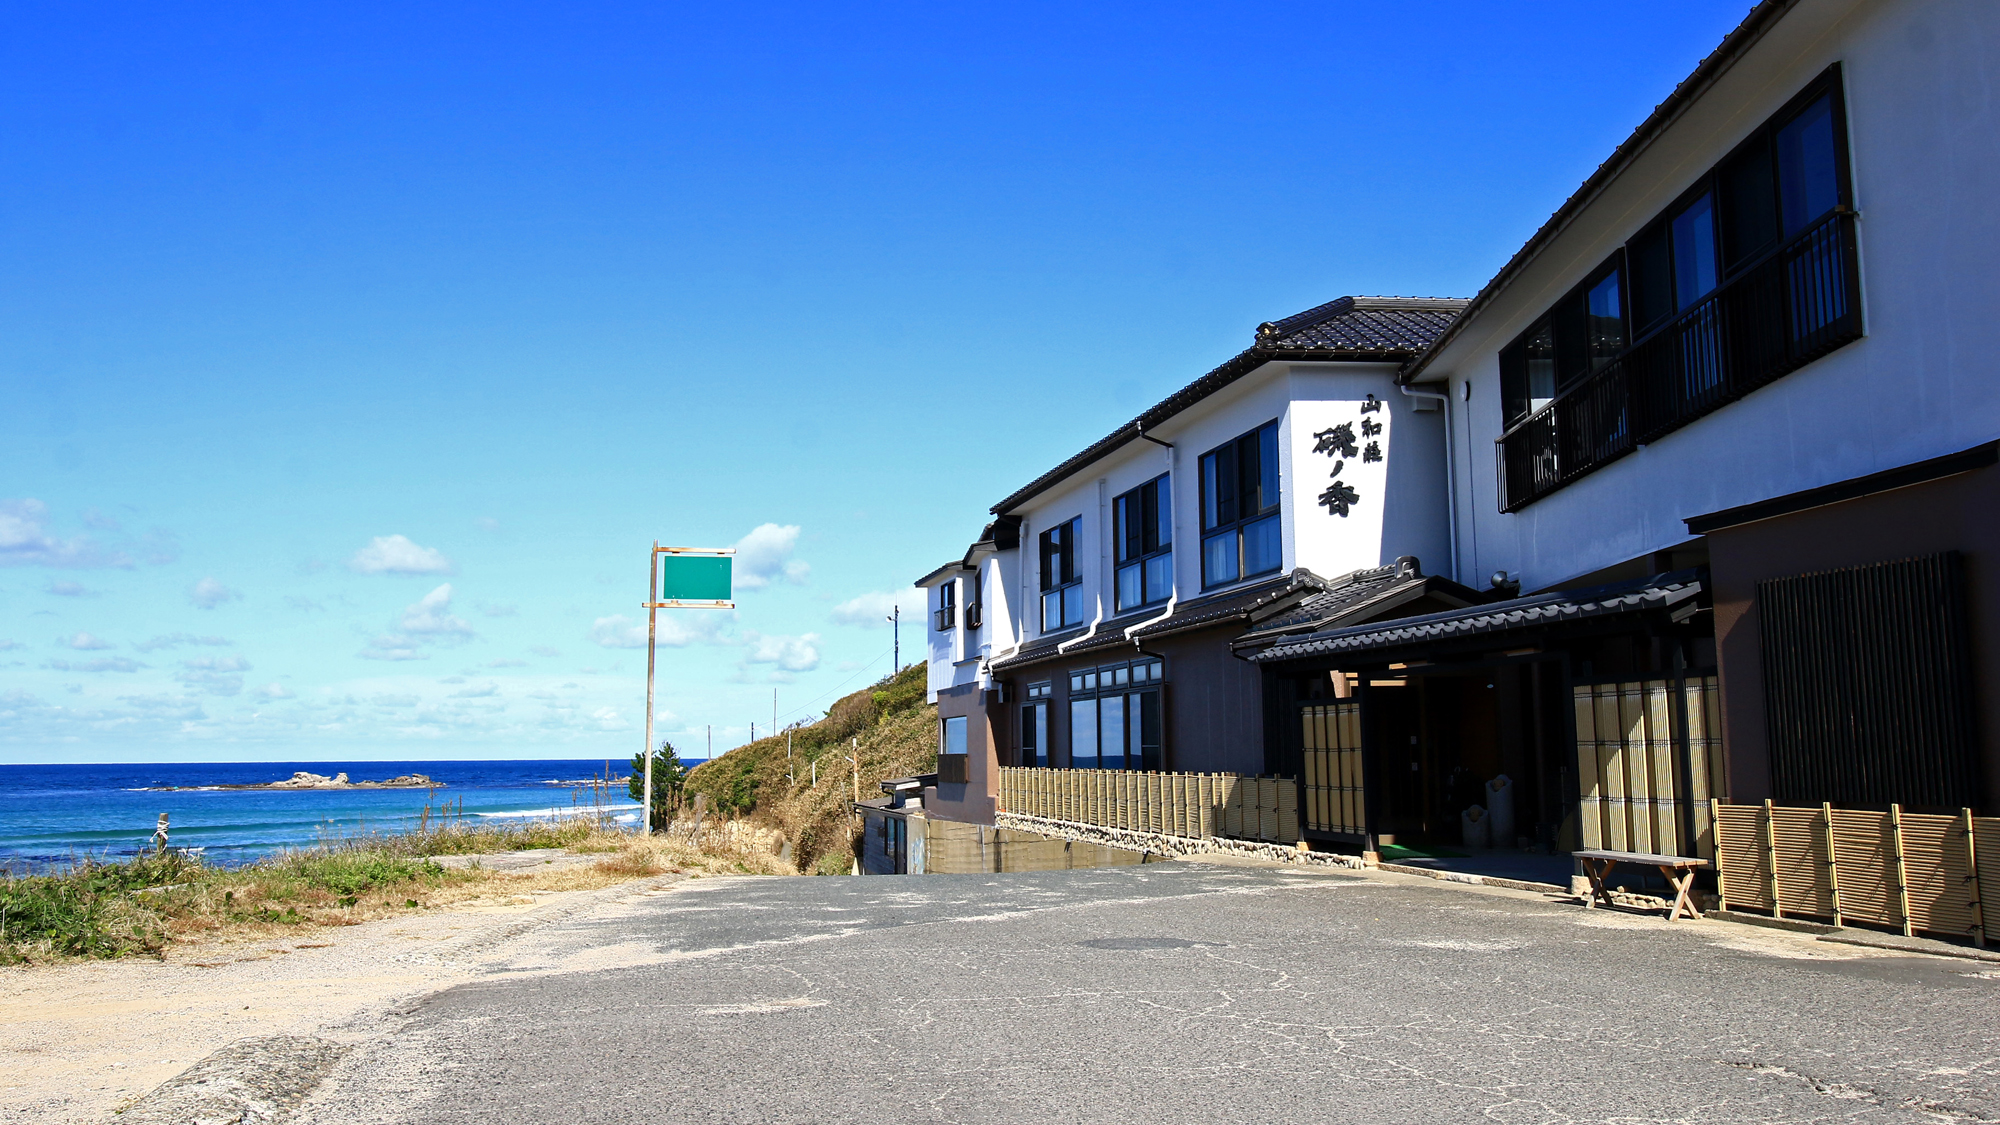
1706	74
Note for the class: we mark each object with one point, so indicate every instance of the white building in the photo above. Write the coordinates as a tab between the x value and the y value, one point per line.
1090	624
1746	374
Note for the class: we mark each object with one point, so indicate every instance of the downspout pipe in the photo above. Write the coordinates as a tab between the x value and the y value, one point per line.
1450	469
1103	568
1173	597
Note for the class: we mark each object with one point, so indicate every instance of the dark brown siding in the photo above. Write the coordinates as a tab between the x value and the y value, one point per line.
1952	514
971	801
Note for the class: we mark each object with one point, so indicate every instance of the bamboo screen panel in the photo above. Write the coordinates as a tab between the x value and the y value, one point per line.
1909	871
1333	778
1640	791
1172	804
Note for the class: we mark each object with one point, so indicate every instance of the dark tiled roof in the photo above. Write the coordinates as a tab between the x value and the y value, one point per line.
1194	614
1357	325
1659	592
1706	72
1362	329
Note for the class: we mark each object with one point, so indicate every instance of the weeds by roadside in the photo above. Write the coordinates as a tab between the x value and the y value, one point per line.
143	906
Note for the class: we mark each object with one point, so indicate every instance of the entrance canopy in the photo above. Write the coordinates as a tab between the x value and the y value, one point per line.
1678	595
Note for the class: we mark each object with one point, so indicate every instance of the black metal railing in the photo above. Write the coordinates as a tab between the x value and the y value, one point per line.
1797	304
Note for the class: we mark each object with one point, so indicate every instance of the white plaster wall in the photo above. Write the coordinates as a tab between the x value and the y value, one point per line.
1922	82
1401	513
1400	508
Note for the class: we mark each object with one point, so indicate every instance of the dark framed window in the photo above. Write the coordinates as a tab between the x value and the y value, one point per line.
1034	750
1062	585
1115	717
1583	332
947	610
1143	529
975	604
1770	191
1239	508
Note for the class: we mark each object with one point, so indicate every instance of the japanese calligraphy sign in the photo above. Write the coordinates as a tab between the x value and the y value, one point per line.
1340	459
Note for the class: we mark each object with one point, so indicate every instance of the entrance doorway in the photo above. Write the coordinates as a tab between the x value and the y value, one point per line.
1485	744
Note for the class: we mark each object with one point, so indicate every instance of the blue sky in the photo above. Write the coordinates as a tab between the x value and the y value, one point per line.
353	355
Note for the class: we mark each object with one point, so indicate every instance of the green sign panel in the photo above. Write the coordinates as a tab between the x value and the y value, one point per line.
694	578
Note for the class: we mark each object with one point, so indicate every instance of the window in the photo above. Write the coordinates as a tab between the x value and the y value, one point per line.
947	610
951	739
1062	586
976	604
1239	508
1585	331
1035	725
1144	535
1114	716
1760	201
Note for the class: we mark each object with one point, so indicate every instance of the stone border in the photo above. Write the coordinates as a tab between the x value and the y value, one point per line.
1172	847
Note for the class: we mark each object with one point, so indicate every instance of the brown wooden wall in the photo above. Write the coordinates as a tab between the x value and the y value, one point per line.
1955	513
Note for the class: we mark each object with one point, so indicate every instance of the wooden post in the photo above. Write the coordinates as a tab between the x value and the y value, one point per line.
1972	881
1715	826
1902	874
1771	857
1832	861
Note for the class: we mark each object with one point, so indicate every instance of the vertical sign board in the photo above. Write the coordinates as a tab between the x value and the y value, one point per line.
682	578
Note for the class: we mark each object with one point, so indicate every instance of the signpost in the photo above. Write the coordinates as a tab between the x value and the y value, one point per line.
685	578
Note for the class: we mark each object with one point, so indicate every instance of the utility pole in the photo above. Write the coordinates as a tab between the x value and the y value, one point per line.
895	621
652	622
774	718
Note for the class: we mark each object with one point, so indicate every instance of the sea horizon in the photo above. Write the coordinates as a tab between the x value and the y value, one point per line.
52	815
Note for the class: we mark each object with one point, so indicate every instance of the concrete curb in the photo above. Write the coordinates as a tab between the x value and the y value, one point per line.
256	1081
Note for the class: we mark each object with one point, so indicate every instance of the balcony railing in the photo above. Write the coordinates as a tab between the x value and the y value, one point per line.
944	619
1799	303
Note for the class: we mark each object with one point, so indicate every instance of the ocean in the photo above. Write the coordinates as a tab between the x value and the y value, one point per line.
53	815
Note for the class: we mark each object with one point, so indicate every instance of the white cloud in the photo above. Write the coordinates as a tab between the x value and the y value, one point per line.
395	554
432	616
392	647
217	664
506	663
791	654
208	593
175	640
476	691
765	556
216	677
103	664
617	631
70	590
6	644
84	642
25	541
871	610
271	693
498	609
96	519
544	651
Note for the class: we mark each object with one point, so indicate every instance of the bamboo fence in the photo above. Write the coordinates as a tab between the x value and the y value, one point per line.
1170	804
1908	871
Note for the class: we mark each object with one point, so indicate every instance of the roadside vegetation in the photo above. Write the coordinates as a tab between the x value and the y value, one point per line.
805	796
145	905
765	814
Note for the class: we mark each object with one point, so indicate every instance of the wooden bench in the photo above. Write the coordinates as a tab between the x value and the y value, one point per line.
1679	870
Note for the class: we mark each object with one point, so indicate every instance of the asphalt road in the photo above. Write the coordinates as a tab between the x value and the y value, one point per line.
1174	993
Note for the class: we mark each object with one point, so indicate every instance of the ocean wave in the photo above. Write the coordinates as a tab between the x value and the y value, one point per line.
557	813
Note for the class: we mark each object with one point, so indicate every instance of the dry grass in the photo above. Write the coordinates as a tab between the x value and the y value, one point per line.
895	733
148	904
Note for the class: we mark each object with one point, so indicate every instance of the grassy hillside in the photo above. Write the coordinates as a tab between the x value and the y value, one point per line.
897	736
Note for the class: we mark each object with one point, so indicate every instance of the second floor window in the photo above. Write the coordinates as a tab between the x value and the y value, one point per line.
1239	508
1062	585
1144	534
947	610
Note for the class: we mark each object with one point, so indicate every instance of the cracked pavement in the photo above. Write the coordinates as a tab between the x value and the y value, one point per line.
1167	993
